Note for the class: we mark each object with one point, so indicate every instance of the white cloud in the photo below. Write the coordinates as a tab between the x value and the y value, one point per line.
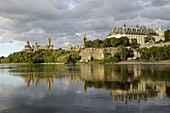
34	31
5	21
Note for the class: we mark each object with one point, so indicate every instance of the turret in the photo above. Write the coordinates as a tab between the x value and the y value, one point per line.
137	26
49	41
27	47
84	40
124	26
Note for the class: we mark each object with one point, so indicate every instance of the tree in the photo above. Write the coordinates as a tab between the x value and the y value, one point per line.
155	53
106	42
124	41
75	57
149	38
89	43
96	43
134	43
122	53
167	35
115	42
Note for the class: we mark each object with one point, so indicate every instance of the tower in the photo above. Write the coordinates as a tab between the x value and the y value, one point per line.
50	45
84	40
70	47
49	41
27	47
124	26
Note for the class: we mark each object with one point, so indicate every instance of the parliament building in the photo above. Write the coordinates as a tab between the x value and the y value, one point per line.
36	47
139	33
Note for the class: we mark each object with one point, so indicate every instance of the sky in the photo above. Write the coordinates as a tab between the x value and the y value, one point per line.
67	20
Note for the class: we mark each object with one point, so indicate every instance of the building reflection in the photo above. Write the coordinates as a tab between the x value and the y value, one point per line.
123	83
36	79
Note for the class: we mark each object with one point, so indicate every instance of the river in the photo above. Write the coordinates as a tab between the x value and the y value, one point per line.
84	88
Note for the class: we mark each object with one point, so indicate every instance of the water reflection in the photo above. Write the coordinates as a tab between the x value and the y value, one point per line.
124	82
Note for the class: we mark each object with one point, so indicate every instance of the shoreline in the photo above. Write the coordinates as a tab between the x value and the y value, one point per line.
119	63
32	63
138	62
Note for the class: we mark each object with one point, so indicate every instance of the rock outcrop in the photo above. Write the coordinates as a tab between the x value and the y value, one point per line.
89	54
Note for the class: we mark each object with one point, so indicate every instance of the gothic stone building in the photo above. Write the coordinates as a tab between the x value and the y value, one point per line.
77	47
49	46
138	33
37	47
28	47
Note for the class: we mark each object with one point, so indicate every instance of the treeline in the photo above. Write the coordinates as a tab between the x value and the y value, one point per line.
155	53
42	56
108	42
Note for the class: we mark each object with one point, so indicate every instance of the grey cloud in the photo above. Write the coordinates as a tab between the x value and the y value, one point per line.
68	17
160	2
157	13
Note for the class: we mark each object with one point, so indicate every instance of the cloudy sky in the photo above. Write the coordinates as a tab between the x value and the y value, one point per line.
67	20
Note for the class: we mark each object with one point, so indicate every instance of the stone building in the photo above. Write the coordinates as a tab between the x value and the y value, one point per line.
49	46
72	48
28	47
139	33
36	47
160	32
77	47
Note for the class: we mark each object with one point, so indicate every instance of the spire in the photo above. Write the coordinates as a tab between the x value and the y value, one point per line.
137	26
124	25
27	43
84	35
49	40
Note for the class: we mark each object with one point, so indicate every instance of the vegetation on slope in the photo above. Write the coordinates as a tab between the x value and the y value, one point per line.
155	53
42	56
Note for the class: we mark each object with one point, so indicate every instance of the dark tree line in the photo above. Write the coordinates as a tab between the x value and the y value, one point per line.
155	53
167	35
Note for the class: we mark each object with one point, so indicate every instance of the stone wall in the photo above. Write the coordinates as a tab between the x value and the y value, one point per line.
89	54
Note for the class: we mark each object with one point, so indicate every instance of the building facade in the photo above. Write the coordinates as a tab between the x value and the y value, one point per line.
139	33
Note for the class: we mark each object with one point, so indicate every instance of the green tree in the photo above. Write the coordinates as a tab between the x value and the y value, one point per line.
155	53
115	42
106	42
63	58
167	35
5	60
124	41
122	53
75	57
134	43
149	38
96	43
88	44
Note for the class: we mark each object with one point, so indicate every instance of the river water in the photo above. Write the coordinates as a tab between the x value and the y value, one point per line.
84	88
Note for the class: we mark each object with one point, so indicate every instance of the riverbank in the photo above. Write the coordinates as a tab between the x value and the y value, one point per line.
121	63
141	62
32	63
